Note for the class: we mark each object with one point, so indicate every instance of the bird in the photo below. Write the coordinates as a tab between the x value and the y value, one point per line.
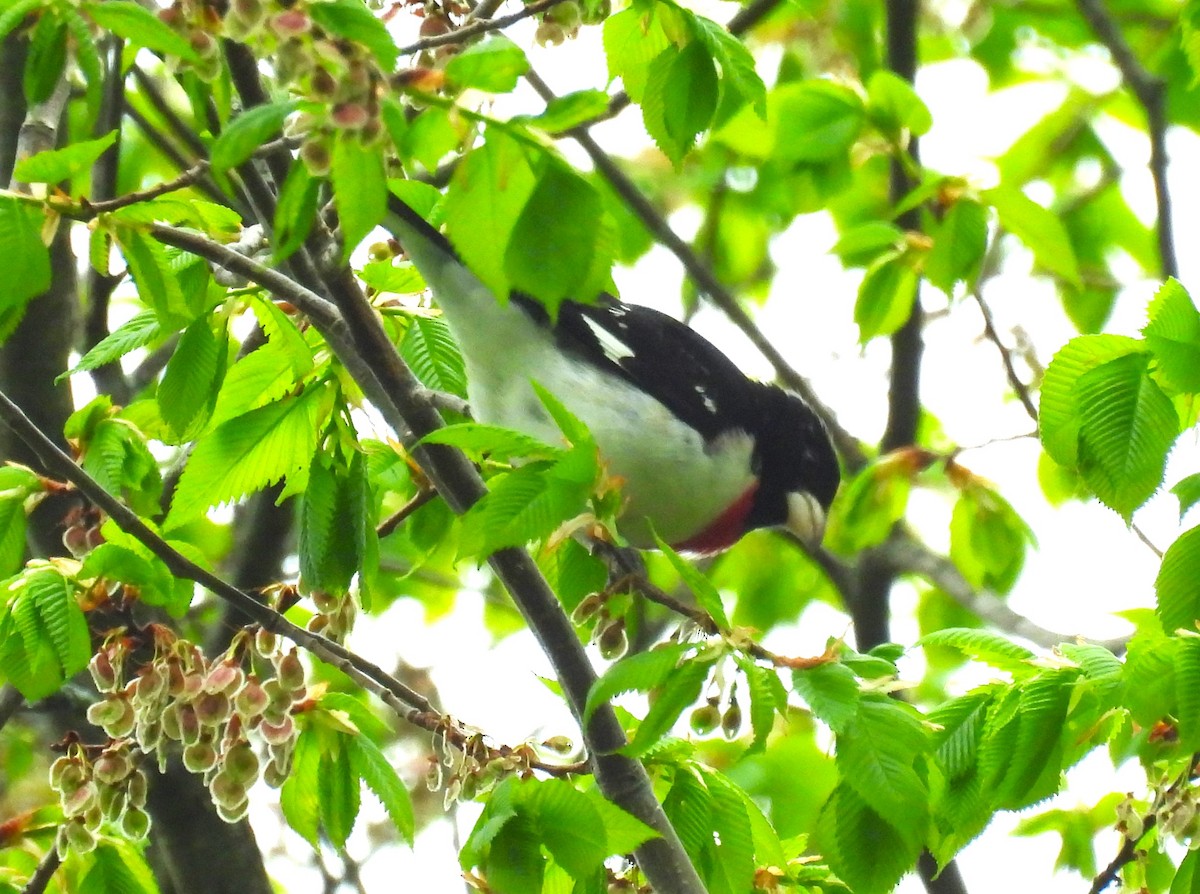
705	454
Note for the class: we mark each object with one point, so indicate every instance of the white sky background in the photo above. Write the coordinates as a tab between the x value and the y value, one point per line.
1087	566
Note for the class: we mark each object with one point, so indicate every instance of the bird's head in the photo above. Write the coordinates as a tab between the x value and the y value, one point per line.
796	465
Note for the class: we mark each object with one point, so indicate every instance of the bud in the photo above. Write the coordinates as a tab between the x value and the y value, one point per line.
704	719
731	720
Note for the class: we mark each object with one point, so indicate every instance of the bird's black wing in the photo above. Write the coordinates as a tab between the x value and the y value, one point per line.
661	356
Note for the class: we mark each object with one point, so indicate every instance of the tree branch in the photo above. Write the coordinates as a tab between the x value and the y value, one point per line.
1150	93
483	26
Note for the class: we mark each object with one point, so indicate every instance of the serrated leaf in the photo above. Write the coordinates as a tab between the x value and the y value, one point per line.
524	505
329	546
1041	716
983	645
868	506
117	868
141	27
12	536
1177	586
479	440
1127	425
430	350
296	210
494	65
27	261
43	634
152	581
861	245
248	453
1059	416
636	673
188	390
1173	336
259	378
1188	491
632	40
732	843
400	279
359	190
55	165
706	593
680	98
337	789
831	691
738	72
1040	230
571	828
157	284
864	849
678	691
958	245
768	698
988	540
298	797
46	57
137	332
877	756
885	298
1187	691
373	768
623	832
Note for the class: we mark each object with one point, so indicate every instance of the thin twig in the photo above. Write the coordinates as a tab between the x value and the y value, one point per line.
397	518
1006	357
1150	93
45	871
466	32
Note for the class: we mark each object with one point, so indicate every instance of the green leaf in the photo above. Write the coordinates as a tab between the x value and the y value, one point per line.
400	279
296	210
885	298
299	798
633	39
831	691
478	440
958	245
430	350
988	540
636	673
338	789
495	65
623	831
893	105
564	112
188	390
354	21
55	165
1177	586
248	453
1188	491
46	58
1173	336
859	246
117	867
570	826
157	284
145	572
488	191
140	27
865	850
1059	416
1187	691
261	377
1041	718
767	699
680	98
815	121
1127	425
373	768
707	596
43	634
136	332
983	645
738	71
877	756
551	251
329	546
678	692
1040	229
27	270
869	506
12	535
524	505
359	190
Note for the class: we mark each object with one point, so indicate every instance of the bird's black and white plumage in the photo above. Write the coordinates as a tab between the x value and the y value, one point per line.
705	453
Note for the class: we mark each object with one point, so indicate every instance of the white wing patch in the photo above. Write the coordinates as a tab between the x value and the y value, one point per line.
614	349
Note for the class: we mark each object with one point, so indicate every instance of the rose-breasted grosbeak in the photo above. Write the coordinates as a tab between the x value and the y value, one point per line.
706	454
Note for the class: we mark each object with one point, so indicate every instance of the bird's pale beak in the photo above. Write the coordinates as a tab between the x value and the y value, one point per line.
805	519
